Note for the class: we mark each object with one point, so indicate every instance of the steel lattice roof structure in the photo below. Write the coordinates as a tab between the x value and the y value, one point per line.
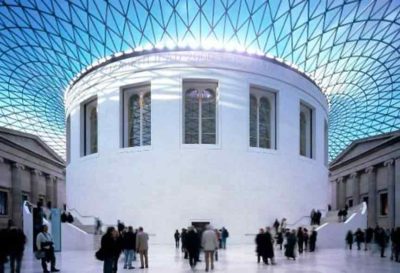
350	49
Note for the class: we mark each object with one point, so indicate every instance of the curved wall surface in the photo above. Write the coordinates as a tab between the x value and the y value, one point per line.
168	184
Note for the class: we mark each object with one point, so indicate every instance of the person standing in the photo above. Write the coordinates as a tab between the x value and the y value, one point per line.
269	248
128	246
300	239
16	248
369	234
313	240
276	226
4	243
224	237
192	246
359	238
349	239
209	242
381	240
312	217
142	247
290	244
260	246
177	236
306	238
44	243
109	248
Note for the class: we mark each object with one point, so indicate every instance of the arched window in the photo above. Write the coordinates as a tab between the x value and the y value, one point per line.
200	113
89	129
137	116
306	130
262	119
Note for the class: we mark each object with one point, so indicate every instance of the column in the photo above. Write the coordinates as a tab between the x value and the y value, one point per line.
338	192
35	178
391	190
397	192
344	193
56	182
372	208
49	189
356	188
16	193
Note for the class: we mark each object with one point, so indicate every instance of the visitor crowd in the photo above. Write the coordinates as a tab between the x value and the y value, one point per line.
374	239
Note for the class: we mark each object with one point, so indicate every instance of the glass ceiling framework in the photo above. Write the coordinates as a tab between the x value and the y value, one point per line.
350	48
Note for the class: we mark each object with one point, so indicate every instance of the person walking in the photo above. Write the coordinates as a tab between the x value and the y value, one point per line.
142	247
369	234
276	226
209	242
128	246
306	239
381	240
109	249
192	246
44	244
183	243
16	247
177	236
313	240
349	239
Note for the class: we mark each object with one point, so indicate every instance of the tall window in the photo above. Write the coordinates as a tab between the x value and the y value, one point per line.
3	203
200	102
68	134
306	131
262	118
137	116
383	198
90	127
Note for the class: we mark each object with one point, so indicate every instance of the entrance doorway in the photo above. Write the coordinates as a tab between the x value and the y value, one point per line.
200	226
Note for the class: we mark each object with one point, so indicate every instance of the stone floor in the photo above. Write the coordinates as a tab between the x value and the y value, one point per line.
236	259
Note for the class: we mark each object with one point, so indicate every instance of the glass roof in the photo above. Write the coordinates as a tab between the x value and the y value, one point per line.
350	48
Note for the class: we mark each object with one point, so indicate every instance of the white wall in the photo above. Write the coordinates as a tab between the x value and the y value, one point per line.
165	186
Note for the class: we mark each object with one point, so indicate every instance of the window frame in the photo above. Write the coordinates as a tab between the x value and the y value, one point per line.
310	129
380	194
140	89
8	203
86	108
200	84
261	92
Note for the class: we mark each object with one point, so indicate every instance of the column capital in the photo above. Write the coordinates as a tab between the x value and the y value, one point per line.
354	175
370	169
51	177
339	180
389	162
36	172
18	166
1	159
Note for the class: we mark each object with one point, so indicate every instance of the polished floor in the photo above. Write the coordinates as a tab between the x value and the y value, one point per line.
236	259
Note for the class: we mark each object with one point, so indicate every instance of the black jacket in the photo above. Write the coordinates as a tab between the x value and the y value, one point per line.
17	240
129	240
109	246
192	241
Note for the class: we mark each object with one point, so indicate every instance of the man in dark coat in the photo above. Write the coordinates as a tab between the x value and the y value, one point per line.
269	248
313	240
17	241
109	249
381	240
359	238
369	234
128	246
260	246
192	245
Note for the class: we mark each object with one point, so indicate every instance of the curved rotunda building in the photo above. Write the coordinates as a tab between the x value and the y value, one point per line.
166	138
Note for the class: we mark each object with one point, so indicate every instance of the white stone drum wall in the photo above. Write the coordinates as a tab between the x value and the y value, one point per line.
167	185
